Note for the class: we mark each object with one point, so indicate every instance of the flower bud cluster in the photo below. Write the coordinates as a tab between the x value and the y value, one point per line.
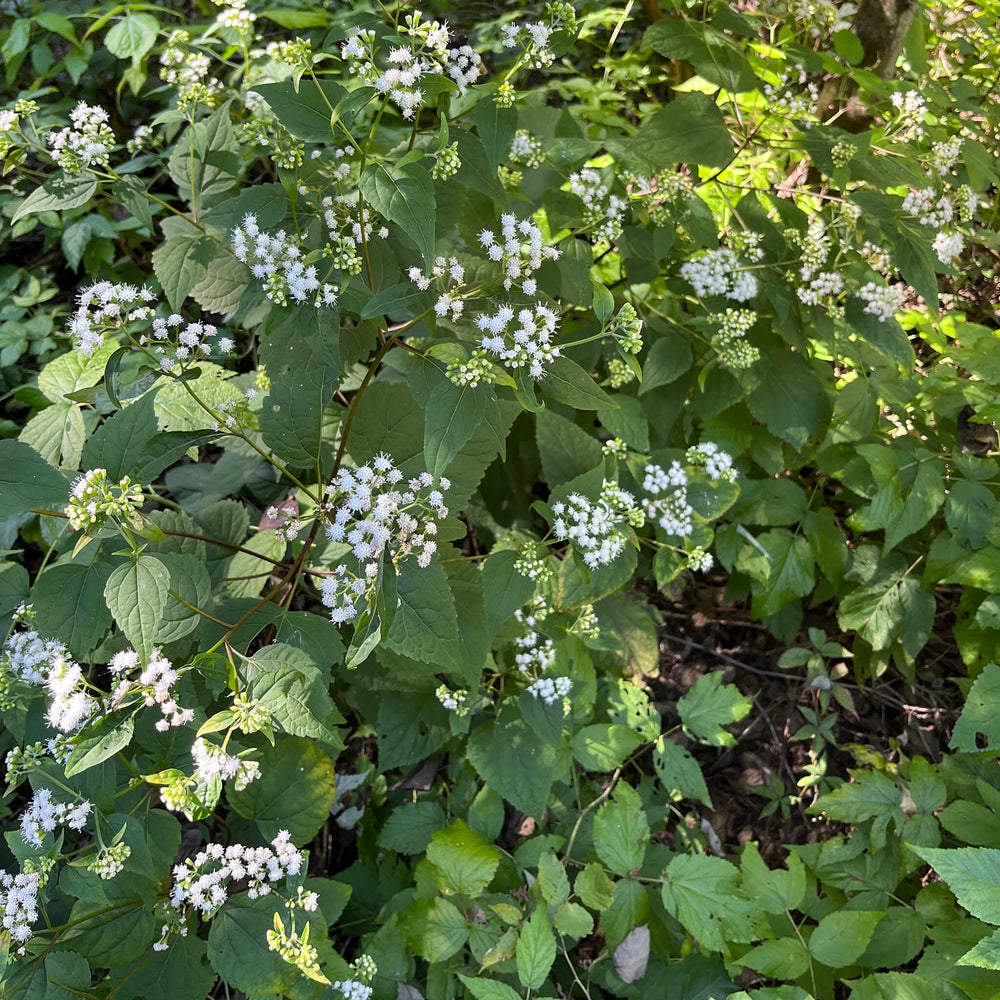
910	107
447	163
626	328
93	499
86	144
349	226
453	701
109	861
469	372
929	208
213	762
278	263
234	14
794	92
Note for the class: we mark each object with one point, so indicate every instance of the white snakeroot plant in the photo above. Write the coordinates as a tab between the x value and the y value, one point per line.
719	272
87	143
597	529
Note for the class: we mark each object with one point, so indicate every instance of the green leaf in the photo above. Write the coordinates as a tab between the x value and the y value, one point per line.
841	937
136	594
132	37
709	706
462	862
180	263
979	716
98	742
293	418
70	607
566	450
679	773
594	888
985	954
396	300
895	607
304	111
181	972
970	510
406	198
434	928
488	989
791	573
784	958
409	828
573	920
791	401
552	880
452	415
972	874
604	746
516	763
130	192
58	193
116	930
226	279
689	129
425	626
294	793
496	127
669	357
27	481
621	831
700	891
57	433
774	890
536	949
238	950
629	909
713	56
633	624
245	574
205	165
296	694
868	796
504	589
568	383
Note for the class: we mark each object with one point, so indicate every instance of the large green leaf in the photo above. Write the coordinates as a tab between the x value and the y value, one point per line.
27	481
58	193
452	415
709	706
404	196
180	263
136	594
461	860
700	891
714	56
568	383
621	831
980	717
679	773
181	972
69	605
425	626
294	793
505	590
841	937
207	161
690	129
791	401
515	762
536	949
132	37
98	742
57	433
304	110
293	419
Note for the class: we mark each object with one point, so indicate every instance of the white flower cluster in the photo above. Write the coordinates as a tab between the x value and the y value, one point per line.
86	144
26	655
370	513
213	762
453	701
876	256
824	17
716	462
352	989
175	341
43	815
596	529
153	686
822	285
104	305
602	210
534	652
109	861
189	72
277	262
929	209
520	253
19	905
526	149
671	511
794	92
550	689
201	882
911	108
8	120
882	301
729	339
718	272
533	37
350	227
944	154
234	14
948	245
70	706
450	275
529	345
399	80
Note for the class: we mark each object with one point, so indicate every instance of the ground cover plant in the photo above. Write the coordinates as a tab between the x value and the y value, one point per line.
393	400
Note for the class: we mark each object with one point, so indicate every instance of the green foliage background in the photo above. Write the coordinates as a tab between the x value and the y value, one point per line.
772	241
